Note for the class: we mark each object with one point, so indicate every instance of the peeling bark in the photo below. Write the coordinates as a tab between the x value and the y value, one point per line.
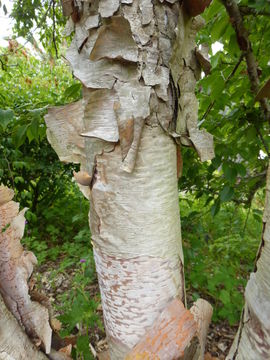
64	134
177	333
25	330
127	133
185	73
16	268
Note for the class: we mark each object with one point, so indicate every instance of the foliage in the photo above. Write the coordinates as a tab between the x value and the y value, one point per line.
62	231
80	309
220	252
221	200
57	220
62	236
44	15
228	111
27	162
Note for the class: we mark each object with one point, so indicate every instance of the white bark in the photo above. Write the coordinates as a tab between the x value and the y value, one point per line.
24	323
14	343
136	235
15	270
126	118
253	337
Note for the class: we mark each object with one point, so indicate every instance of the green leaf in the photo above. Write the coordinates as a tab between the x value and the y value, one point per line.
19	179
233	44
257	214
217	87
216	162
229	171
250	133
241	169
83	346
73	91
20	135
33	130
213	10
215	208
220	27
227	193
225	297
5	117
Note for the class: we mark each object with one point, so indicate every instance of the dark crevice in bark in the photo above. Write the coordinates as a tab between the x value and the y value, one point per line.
260	249
82	46
183	296
94	177
241	325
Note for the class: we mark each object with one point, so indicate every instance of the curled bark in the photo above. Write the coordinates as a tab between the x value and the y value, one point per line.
125	133
25	331
16	268
177	333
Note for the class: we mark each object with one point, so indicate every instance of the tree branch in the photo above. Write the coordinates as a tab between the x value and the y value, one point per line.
33	31
54	38
244	43
3	65
246	10
226	82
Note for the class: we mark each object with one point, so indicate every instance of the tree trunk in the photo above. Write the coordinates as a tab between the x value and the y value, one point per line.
131	127
14	343
16	307
253	337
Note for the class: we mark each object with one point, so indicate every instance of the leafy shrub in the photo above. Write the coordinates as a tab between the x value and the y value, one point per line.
218	254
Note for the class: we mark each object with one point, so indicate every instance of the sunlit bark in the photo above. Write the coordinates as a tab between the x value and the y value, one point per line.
136	61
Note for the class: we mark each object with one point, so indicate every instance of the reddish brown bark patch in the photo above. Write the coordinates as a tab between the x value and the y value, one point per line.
170	336
196	7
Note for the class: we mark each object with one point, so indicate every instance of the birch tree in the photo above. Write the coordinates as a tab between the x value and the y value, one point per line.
138	67
137	64
253	338
21	319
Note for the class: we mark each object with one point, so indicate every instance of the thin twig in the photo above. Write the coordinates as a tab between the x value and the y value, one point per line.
260	43
248	177
3	65
54	39
246	10
10	172
246	220
210	107
244	43
42	20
